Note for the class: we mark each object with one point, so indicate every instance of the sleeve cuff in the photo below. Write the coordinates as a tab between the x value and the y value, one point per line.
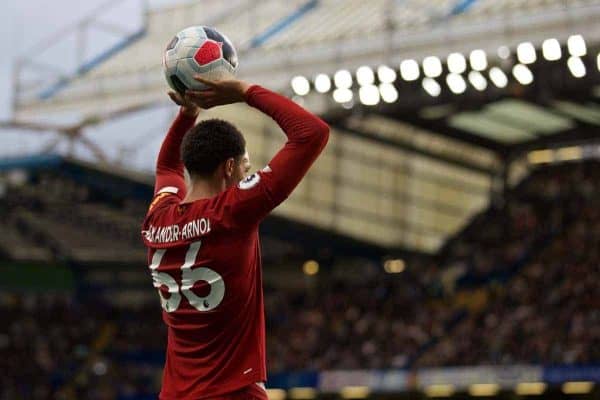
251	92
185	116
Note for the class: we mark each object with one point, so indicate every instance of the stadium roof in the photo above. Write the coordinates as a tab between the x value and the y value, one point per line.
556	108
277	40
407	172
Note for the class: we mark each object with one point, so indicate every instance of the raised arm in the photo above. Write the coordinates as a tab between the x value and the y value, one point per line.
169	168
254	197
307	136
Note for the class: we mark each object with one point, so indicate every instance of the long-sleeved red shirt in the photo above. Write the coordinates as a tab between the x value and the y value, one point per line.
204	257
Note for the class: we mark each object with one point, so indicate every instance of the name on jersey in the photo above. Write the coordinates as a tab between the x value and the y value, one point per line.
173	233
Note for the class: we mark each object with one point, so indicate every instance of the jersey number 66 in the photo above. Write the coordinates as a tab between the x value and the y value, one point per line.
189	277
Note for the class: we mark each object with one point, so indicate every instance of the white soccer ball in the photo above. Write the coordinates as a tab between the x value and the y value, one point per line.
198	50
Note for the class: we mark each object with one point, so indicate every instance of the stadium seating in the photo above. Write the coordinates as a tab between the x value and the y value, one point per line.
54	217
548	312
526	296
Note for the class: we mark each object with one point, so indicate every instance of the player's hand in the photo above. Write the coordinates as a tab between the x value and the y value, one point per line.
188	107
219	93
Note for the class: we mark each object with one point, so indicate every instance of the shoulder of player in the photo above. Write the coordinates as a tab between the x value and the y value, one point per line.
162	198
248	188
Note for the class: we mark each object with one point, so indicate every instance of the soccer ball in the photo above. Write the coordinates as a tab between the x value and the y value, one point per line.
198	50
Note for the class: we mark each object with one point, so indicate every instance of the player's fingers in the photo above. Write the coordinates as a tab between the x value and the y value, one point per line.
208	103
175	97
203	99
212	84
201	93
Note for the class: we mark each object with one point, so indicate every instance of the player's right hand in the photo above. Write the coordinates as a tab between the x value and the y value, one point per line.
219	93
185	102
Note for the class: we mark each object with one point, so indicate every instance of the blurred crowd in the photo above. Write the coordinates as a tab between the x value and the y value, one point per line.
44	340
529	271
380	321
549	312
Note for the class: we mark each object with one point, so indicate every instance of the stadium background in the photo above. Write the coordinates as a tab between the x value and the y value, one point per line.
446	244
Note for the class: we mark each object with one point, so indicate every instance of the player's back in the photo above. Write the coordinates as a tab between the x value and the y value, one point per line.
207	270
205	256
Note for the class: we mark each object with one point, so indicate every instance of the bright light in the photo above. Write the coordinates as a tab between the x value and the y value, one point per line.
457	63
355	392
302	393
300	85
456	83
311	267
322	83
365	75
503	52
498	77
477	80
598	61
576	67
484	389
522	74
431	87
343	79
530	388
478	60
439	390
577	387
551	50
276	394
540	156
394	266
388	92
342	95
432	67
409	70
386	74
569	153
526	53
576	46
369	95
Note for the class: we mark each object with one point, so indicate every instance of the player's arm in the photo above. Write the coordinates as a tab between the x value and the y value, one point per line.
169	168
306	135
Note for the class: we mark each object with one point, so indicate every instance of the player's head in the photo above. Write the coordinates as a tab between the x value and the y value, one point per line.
215	149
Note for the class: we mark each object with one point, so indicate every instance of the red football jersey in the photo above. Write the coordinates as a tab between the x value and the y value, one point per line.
204	257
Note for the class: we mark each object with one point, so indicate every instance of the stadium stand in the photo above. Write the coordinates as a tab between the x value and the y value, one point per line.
543	242
63	216
548	312
482	195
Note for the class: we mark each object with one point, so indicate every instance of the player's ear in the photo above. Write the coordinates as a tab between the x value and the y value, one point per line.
229	167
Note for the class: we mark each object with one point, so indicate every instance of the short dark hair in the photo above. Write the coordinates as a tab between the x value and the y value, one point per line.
210	143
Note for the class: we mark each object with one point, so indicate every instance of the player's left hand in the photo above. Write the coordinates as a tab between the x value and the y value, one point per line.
188	107
218	93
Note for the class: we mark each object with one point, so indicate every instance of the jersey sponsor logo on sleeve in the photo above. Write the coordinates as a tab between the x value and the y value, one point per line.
249	181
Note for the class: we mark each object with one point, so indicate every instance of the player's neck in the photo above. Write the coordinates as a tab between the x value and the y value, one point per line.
204	189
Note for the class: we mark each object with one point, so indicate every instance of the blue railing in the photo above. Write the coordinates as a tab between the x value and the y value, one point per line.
283	24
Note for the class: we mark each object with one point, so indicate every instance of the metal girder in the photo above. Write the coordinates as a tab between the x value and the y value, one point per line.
441	127
571	137
372	136
583	131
